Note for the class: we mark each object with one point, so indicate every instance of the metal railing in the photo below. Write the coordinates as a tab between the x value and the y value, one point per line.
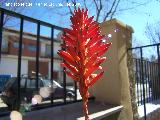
23	18
151	81
147	74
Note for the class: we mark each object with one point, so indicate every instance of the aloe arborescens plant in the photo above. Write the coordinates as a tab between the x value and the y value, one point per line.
82	51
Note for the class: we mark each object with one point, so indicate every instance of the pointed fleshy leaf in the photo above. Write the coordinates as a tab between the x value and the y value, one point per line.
91	60
92	27
71	68
72	52
95	79
73	20
71	76
103	50
68	31
94	46
67	57
91	70
93	23
98	48
101	60
97	63
89	20
94	40
99	68
93	31
95	66
86	12
68	40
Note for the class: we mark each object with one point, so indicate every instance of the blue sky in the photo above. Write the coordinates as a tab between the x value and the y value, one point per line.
136	18
139	18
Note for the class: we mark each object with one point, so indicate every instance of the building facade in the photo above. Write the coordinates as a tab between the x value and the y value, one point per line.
9	57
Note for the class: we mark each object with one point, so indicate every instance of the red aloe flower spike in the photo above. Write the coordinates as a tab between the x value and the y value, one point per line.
81	53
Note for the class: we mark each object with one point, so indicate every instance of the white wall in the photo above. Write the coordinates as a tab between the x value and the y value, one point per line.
56	66
9	66
56	48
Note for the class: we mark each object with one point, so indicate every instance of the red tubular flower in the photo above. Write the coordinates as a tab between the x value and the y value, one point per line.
82	52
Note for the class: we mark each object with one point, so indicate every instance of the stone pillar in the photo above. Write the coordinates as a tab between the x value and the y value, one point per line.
114	86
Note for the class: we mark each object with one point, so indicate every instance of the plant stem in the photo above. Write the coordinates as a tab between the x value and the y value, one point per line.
85	108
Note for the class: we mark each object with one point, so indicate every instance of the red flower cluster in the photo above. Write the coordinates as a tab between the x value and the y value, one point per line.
82	51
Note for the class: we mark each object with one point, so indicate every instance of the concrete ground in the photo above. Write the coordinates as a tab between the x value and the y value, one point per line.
150	107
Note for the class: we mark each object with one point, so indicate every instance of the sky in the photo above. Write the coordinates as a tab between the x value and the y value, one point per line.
136	18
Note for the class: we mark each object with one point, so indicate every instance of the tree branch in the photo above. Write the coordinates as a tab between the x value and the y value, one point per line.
98	9
150	34
115	9
13	8
110	11
96	4
70	10
138	5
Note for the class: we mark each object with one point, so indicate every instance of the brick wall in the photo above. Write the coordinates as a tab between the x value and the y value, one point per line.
43	67
25	50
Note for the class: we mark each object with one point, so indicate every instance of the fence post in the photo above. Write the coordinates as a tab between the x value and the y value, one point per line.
116	69
37	55
142	73
158	69
19	62
1	30
52	59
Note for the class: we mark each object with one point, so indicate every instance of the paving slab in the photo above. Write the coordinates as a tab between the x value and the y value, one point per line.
97	111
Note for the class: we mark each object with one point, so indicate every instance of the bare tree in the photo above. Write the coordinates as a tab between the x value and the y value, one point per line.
102	9
153	32
18	9
105	9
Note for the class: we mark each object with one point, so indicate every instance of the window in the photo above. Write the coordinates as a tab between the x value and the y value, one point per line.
32	48
23	82
16	45
4	45
48	50
30	83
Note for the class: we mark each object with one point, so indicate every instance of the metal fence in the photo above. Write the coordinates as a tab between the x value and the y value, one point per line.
151	81
146	61
38	23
